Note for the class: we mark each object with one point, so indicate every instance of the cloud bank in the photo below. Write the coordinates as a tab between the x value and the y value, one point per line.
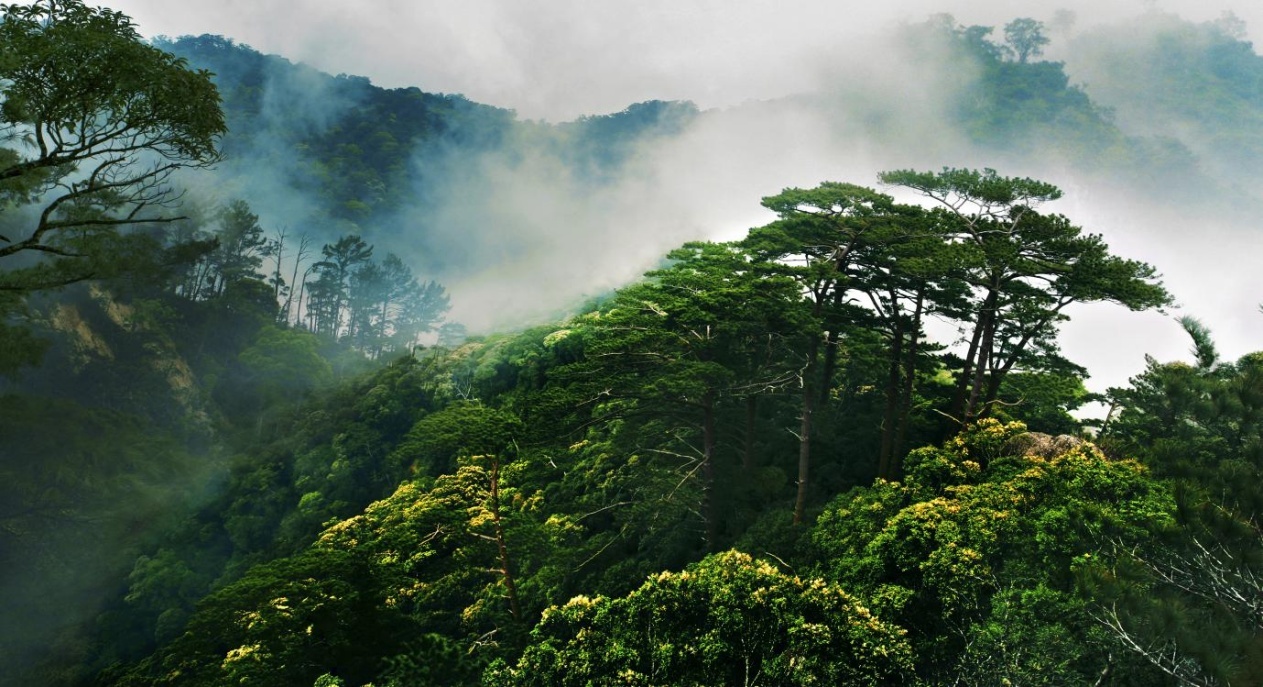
798	92
564	58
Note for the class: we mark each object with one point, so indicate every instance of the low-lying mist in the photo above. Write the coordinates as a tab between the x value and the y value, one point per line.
519	237
524	220
520	233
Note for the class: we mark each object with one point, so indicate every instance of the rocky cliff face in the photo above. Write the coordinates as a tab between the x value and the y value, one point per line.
105	352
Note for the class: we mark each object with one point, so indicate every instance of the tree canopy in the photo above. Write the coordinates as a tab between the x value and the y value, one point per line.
755	465
94	123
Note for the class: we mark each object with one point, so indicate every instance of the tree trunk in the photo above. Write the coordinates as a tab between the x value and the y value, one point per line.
503	549
804	431
276	273
980	374
828	368
832	336
909	386
885	463
708	468
752	415
993	390
966	373
289	299
999	373
301	310
987	318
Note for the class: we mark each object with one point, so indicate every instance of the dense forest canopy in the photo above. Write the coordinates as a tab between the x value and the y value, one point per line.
244	441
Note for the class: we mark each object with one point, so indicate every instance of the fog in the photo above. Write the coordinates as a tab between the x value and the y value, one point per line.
565	58
792	93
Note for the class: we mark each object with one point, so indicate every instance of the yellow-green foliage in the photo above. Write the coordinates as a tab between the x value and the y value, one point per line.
727	620
974	537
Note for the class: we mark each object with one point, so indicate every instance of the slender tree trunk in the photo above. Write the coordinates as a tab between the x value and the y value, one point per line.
380	344
909	386
985	350
998	373
293	280
832	337
708	468
828	368
1109	417
994	380
276	273
200	274
890	416
966	372
752	415
503	549
302	310
804	430
980	373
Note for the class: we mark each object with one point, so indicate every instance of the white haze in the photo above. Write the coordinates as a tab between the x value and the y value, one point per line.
560	59
538	241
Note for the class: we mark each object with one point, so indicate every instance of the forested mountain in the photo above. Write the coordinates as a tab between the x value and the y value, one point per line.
1183	98
357	155
1199	84
244	440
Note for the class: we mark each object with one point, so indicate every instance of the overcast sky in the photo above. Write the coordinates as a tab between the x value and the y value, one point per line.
559	59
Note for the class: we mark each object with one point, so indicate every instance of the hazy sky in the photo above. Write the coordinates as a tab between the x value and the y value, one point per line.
559	59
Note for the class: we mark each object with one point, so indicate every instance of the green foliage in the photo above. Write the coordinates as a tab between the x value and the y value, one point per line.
726	620
976	538
284	623
233	254
84	490
844	243
1176	604
662	358
1187	608
378	308
288	362
471	557
1171	77
1201	424
1023	269
450	498
410	526
462	429
100	121
1043	401
597	146
19	346
1016	107
1025	39
991	192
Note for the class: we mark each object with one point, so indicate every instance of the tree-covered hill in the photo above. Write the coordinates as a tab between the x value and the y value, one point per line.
1200	84
477	198
466	191
358	153
559	505
240	443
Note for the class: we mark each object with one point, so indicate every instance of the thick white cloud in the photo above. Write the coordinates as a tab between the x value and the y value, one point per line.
558	59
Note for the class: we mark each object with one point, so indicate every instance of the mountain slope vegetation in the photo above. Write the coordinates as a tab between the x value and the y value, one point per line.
259	452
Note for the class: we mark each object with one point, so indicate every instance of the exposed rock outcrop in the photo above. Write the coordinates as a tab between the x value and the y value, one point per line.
1043	445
